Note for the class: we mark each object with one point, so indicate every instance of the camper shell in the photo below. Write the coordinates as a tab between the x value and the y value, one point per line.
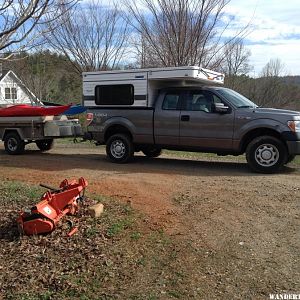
139	88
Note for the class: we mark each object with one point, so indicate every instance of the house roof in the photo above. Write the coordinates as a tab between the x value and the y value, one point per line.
3	74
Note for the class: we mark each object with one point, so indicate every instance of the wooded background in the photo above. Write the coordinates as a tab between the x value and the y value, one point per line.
49	43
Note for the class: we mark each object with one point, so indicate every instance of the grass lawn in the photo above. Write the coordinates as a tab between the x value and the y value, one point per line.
118	256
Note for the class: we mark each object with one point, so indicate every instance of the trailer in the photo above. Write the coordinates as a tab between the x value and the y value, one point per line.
17	132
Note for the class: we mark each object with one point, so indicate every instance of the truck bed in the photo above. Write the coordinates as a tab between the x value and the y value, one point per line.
140	121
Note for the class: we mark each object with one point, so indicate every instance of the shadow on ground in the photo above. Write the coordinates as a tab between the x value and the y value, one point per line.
9	231
36	160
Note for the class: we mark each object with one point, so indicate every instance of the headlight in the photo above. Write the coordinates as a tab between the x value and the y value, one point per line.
294	125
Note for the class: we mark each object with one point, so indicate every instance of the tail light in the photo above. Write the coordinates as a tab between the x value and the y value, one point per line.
89	118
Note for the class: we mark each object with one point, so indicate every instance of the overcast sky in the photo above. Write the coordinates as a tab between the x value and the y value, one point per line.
275	32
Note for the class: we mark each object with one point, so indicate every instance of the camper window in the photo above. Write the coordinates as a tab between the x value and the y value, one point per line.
121	94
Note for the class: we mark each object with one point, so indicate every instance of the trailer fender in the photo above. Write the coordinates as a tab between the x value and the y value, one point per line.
8	130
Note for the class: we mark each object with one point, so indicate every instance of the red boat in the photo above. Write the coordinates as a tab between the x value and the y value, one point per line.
23	110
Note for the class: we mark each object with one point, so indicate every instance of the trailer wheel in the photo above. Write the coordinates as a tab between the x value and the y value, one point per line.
13	144
152	152
119	148
266	154
45	145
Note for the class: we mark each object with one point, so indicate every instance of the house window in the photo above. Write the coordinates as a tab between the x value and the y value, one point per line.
7	94
10	93
13	93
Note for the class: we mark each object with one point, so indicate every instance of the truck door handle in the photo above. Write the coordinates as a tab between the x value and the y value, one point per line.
185	118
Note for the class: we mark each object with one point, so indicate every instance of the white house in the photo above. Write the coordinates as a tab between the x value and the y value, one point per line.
13	90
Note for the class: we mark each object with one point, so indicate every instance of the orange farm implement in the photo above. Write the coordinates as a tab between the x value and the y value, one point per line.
54	204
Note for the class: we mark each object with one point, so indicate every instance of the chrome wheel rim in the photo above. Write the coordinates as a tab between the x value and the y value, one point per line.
12	144
267	155
118	149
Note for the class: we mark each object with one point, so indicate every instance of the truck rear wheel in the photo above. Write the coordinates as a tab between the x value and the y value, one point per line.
13	144
266	154
152	152
119	148
45	145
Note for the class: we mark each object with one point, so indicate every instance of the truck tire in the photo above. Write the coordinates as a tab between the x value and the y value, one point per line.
152	152
45	145
13	144
119	148
266	154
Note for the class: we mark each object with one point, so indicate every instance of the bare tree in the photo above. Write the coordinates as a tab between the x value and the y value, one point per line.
235	64
236	59
274	68
179	32
50	77
92	37
34	76
20	19
271	87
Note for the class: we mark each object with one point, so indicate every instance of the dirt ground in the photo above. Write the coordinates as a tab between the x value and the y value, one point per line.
237	232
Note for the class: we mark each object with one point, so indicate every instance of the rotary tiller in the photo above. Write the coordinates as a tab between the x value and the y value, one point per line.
54	204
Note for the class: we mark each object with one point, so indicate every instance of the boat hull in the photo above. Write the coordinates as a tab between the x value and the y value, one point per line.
23	110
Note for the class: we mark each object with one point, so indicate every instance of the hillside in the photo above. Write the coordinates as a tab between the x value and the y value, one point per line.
295	80
52	78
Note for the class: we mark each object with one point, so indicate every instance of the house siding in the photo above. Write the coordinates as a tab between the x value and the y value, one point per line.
22	96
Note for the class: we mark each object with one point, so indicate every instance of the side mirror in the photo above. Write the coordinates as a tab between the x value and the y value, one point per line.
220	108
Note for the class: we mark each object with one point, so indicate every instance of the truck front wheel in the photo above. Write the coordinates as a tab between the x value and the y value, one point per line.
13	144
119	148
45	145
266	154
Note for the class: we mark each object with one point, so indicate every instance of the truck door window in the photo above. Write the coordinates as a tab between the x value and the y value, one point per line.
171	101
201	101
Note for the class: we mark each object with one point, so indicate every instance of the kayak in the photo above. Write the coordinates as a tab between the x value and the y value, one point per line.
75	110
23	110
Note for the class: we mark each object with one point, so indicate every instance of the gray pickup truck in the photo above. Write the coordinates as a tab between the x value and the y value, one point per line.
201	119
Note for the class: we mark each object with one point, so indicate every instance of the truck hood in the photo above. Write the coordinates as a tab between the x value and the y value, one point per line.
278	112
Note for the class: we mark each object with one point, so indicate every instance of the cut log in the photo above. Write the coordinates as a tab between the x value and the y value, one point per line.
96	210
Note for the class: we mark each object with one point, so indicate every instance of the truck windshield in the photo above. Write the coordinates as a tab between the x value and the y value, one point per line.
236	99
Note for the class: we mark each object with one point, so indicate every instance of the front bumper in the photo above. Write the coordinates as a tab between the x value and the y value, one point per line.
293	147
292	140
